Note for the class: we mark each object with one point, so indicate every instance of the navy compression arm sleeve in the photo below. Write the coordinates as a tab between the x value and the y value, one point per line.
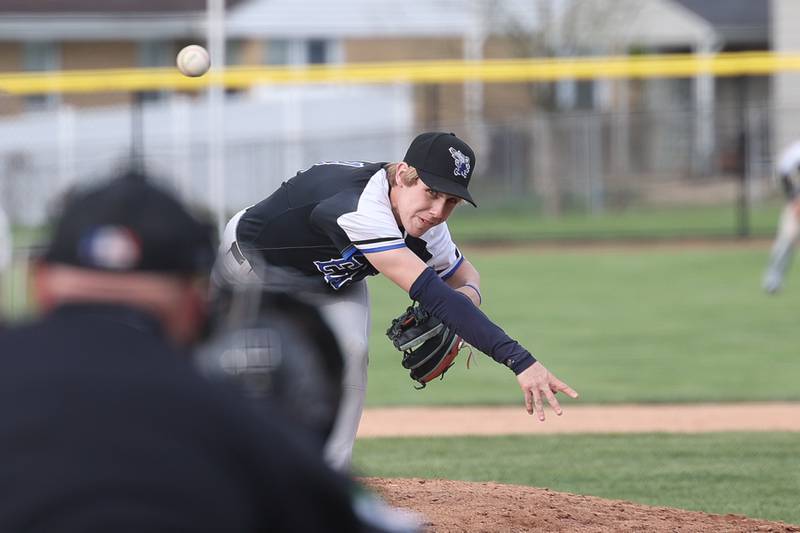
469	321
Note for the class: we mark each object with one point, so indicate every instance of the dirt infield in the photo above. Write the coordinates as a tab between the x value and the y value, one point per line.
674	418
492	507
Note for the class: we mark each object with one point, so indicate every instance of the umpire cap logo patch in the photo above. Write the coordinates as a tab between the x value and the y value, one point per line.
461	162
110	247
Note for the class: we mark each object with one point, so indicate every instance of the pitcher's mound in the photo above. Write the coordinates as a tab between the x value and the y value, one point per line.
491	507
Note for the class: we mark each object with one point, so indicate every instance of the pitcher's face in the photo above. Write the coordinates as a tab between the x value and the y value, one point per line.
418	208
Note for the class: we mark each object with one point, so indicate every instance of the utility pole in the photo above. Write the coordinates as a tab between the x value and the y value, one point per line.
215	15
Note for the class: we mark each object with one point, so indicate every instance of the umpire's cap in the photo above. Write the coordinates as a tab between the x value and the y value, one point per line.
444	162
129	224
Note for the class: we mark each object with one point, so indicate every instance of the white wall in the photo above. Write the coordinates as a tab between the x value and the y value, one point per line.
269	136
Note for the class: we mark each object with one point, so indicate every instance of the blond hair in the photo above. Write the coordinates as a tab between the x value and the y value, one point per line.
409	178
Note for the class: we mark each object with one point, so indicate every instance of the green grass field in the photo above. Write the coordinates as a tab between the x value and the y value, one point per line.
634	325
619	326
752	474
518	222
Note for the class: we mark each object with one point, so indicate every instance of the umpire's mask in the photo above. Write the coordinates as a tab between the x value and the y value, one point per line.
276	348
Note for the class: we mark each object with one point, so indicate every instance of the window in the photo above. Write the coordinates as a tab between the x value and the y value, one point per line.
234	52
39	57
301	52
155	54
277	52
584	94
317	52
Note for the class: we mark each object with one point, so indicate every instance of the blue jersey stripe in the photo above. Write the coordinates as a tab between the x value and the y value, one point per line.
383	248
453	270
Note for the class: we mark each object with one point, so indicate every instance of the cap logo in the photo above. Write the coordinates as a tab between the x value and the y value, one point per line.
111	247
462	163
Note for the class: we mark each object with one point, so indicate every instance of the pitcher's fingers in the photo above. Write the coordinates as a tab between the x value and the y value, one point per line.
551	399
537	404
566	389
528	401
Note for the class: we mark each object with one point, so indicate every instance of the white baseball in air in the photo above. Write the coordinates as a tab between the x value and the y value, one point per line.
193	60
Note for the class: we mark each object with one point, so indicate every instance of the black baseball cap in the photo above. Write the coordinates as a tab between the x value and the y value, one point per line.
444	162
128	224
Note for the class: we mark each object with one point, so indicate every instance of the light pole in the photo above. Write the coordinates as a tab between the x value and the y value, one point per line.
215	16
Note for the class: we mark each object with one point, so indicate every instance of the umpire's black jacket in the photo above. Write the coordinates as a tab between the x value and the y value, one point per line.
105	427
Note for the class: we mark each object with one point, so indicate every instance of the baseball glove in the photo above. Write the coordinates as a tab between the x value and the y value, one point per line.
429	346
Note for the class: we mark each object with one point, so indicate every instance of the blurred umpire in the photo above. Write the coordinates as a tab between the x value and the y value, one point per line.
104	423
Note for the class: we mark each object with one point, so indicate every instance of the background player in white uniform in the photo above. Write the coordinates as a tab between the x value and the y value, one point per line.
336	223
5	257
789	225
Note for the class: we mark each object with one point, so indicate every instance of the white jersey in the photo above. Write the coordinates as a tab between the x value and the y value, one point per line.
789	160
327	219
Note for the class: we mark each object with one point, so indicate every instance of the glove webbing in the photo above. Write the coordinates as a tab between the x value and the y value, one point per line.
407	353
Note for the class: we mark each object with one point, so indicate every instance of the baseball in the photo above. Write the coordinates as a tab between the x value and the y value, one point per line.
193	60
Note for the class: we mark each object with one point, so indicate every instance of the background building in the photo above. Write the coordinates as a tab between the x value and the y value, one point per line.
591	145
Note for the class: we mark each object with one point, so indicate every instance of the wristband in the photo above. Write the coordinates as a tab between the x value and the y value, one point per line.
474	288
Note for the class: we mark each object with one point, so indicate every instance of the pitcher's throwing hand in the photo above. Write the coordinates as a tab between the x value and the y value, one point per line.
537	382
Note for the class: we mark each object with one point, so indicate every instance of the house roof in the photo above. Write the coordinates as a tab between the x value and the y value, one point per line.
662	23
354	18
652	24
30	20
103	6
737	21
164	19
